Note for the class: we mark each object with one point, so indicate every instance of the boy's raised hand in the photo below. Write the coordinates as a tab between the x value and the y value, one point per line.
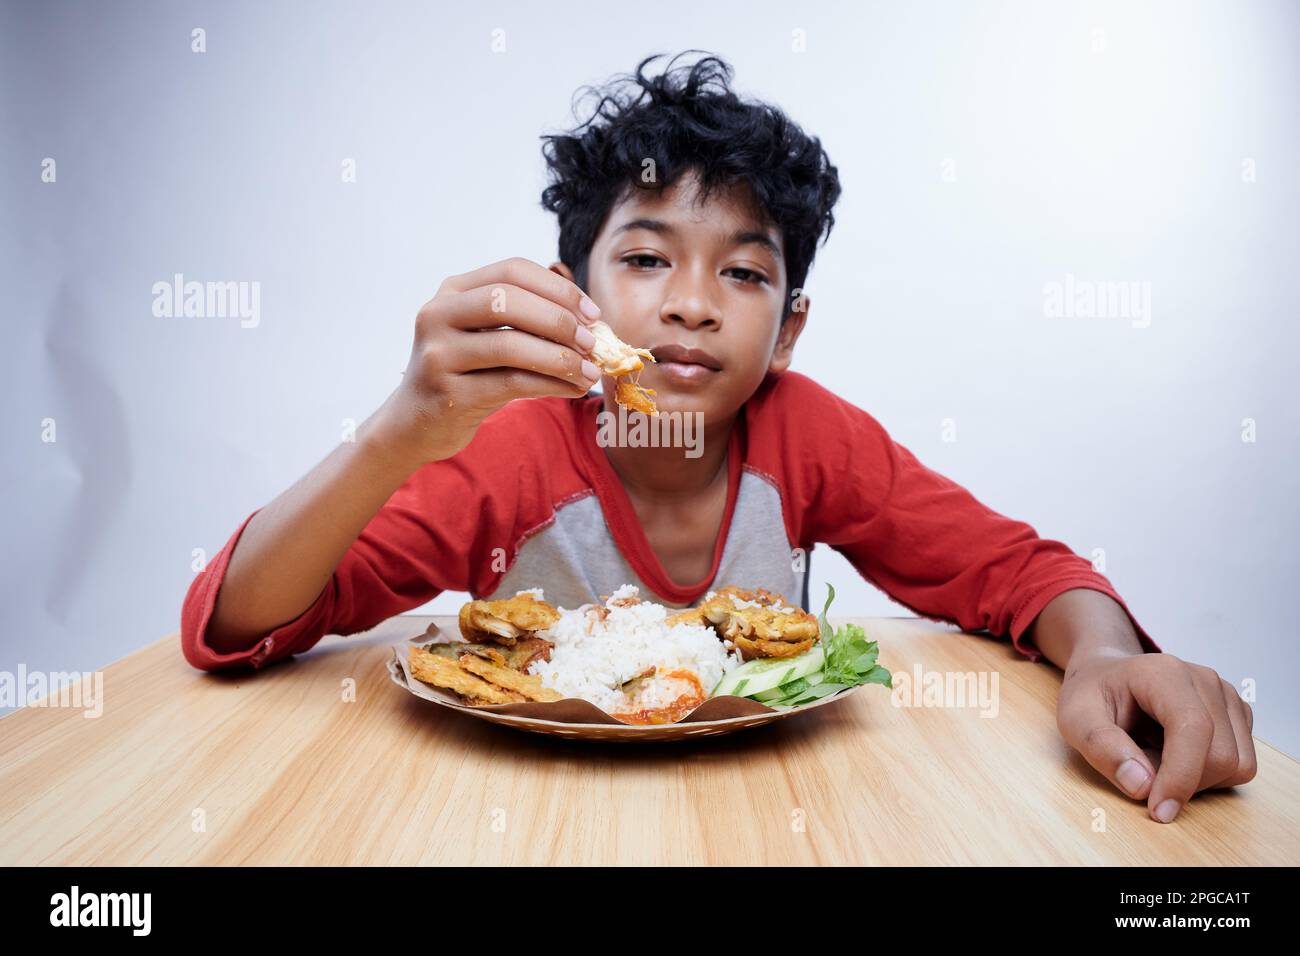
512	329
1205	726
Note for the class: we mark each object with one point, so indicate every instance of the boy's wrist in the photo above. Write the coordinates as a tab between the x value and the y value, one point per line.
1081	625
385	443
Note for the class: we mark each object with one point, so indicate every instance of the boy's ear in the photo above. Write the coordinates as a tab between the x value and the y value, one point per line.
561	269
789	333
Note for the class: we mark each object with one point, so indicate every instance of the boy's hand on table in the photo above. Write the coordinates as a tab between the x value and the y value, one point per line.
1107	700
512	329
1114	699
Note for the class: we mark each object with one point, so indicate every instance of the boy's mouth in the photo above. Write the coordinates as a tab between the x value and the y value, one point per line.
685	365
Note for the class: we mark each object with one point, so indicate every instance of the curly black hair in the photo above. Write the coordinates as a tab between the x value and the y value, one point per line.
688	119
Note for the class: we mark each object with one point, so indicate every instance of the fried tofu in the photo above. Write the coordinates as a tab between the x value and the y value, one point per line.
506	621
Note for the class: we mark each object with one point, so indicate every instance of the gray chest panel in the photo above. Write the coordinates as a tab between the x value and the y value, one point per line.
574	559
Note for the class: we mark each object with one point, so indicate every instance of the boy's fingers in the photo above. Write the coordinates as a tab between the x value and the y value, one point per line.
529	275
510	348
493	387
490	307
1247	763
1089	727
1222	761
1167	694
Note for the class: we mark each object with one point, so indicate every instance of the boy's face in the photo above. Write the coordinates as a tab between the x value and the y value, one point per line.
701	285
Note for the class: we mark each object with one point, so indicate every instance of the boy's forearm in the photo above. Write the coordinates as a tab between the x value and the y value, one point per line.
290	548
1082	622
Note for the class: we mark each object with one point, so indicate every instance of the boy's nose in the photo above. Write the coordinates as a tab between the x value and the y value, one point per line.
689	304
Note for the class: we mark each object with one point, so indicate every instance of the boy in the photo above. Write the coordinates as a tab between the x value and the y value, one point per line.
688	221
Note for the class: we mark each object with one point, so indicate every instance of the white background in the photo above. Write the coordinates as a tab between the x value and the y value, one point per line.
1112	156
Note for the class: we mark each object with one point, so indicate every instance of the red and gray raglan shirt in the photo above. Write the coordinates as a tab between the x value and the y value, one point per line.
533	501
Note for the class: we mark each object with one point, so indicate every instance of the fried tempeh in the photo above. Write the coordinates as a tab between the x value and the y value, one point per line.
525	684
449	675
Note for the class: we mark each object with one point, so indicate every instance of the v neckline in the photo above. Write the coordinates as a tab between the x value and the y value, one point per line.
625	526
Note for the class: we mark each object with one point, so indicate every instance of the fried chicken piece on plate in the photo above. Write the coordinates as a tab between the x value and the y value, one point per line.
690	615
760	623
506	621
750	649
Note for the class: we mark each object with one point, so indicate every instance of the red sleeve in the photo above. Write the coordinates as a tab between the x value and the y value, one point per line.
452	526
921	538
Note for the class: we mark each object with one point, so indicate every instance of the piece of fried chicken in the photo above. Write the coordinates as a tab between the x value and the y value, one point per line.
506	621
629	393
759	623
615	357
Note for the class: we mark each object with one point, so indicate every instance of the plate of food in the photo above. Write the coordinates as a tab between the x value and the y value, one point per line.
633	670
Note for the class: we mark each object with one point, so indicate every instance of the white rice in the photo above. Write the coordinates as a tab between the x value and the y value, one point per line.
593	658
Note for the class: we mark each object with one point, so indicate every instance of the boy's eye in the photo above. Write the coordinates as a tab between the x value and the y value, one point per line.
642	260
749	275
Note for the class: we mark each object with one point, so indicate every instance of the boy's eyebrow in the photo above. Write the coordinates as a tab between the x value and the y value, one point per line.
740	237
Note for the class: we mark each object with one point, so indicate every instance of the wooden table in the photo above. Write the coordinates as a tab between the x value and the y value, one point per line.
279	767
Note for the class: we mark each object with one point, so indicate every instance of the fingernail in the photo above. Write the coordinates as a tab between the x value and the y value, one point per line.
1166	812
590	371
1131	775
584	338
589	308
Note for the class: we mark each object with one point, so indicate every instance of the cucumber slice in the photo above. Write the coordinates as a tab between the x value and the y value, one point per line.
768	673
789	689
796	686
